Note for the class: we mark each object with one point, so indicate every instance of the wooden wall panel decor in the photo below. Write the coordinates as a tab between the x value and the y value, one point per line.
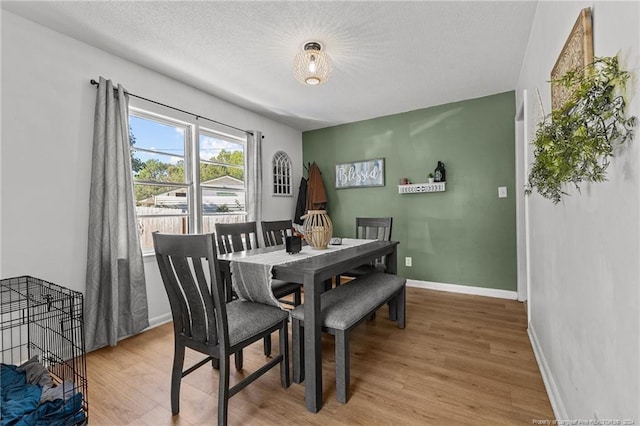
576	53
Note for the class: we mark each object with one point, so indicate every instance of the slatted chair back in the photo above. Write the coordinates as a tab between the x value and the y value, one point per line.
203	321
274	232
374	228
185	262
234	237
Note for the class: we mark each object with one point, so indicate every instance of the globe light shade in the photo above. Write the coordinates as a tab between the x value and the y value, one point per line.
312	66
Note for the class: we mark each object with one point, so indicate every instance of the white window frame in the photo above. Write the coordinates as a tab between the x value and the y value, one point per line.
192	162
231	138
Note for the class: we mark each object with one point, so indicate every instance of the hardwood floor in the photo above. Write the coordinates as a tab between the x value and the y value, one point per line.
461	360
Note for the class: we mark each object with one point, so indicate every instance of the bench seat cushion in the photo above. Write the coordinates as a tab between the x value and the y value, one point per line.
347	304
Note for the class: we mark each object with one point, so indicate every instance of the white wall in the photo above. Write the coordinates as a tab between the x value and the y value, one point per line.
47	131
585	277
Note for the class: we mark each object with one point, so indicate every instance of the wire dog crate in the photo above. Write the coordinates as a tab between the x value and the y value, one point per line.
39	318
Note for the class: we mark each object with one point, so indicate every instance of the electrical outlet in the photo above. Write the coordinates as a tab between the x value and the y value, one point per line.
502	192
407	261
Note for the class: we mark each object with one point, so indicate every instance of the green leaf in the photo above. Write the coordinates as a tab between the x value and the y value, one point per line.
575	145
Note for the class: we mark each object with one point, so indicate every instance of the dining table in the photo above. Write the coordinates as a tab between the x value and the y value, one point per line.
314	273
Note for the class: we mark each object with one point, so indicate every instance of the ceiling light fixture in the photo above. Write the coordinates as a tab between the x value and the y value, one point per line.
312	66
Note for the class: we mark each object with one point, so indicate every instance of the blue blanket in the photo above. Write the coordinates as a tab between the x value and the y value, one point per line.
21	403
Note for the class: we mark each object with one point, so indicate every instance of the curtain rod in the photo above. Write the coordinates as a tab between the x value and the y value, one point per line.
95	83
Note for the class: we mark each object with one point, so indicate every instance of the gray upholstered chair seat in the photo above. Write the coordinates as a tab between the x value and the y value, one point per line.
284	288
344	306
342	309
248	319
365	269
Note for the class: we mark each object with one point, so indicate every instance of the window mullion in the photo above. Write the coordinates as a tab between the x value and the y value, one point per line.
195	179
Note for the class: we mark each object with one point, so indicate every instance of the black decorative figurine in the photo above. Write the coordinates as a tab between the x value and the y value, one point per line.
439	174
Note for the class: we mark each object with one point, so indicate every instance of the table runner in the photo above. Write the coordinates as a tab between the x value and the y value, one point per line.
252	276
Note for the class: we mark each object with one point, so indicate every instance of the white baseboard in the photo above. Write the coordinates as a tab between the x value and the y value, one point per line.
465	289
559	411
159	320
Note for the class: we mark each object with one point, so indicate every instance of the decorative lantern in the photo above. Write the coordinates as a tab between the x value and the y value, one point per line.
318	229
312	66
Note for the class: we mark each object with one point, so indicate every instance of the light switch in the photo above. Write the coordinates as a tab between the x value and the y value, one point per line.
502	192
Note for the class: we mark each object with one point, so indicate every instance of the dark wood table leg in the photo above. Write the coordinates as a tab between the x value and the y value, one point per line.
312	344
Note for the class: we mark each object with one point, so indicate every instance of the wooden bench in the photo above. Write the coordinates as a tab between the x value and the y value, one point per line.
342	309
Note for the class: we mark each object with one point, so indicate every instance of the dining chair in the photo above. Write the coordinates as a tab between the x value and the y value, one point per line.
234	237
274	232
203	320
370	228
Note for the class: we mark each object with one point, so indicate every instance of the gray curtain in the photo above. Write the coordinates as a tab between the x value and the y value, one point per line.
254	177
116	297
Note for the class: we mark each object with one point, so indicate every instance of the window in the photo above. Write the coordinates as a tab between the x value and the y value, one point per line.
186	177
222	183
281	174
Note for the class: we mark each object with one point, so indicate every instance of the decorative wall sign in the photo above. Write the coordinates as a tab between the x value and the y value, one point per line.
576	53
360	174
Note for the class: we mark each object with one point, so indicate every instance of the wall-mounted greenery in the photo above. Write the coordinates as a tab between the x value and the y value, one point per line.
575	145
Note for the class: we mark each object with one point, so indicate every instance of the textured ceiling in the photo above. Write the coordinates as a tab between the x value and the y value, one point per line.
388	57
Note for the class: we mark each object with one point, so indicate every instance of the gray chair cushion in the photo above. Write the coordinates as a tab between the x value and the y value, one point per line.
247	319
365	269
347	304
283	288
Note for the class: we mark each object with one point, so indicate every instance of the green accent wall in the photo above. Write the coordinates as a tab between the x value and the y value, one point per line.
465	235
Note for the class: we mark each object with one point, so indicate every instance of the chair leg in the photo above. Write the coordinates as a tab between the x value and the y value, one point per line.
228	289
401	302
239	360
337	280
342	366
215	363
297	334
297	298
284	351
267	345
176	377
223	390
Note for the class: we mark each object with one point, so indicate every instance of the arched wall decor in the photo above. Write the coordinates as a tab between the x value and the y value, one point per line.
281	166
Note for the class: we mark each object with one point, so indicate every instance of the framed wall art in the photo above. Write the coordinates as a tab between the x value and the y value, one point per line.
576	53
360	174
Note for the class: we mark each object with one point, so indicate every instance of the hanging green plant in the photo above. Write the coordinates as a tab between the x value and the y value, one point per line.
575	145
